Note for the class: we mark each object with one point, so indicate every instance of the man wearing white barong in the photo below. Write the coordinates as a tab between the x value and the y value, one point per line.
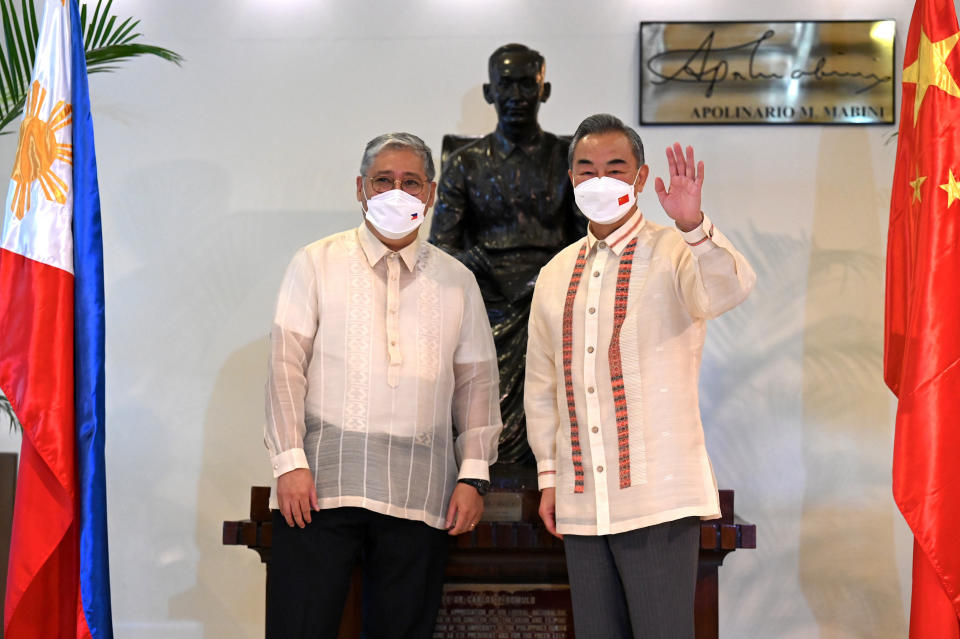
382	411
615	340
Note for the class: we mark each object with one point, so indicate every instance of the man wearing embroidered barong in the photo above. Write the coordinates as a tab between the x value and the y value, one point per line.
382	411
615	341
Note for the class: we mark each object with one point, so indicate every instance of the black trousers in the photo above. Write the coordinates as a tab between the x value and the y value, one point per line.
310	570
639	584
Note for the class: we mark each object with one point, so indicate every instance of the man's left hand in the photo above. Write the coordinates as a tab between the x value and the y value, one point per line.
466	508
682	201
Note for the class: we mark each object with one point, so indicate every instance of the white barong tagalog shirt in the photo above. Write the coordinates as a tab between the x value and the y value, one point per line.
615	341
383	376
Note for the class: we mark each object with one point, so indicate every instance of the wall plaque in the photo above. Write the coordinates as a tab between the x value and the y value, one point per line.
502	611
767	72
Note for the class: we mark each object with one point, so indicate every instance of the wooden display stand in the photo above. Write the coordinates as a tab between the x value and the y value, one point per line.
518	553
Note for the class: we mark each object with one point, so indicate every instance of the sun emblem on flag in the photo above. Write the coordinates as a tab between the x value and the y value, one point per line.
38	149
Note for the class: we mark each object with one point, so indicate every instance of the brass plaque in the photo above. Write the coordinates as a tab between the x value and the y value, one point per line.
512	505
767	72
503	507
504	611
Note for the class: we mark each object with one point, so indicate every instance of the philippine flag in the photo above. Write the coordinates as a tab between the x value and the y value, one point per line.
52	348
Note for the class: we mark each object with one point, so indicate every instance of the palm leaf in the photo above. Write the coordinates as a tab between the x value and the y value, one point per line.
13	74
16	59
106	55
88	31
11	113
31	41
103	19
107	41
7	410
123	31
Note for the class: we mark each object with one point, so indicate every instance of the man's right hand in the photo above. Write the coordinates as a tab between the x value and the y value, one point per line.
297	495
548	510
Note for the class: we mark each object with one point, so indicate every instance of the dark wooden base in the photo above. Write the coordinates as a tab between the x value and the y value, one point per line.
519	553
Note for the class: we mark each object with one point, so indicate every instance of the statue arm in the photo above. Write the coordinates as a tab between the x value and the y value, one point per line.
449	230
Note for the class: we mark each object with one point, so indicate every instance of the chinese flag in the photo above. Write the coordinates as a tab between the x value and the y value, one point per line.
922	324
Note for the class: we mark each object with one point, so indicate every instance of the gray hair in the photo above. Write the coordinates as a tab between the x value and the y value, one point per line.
398	141
606	123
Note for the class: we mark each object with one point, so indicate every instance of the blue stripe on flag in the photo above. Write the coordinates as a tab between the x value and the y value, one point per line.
89	350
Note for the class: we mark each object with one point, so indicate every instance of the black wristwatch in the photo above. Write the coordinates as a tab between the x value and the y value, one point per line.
482	485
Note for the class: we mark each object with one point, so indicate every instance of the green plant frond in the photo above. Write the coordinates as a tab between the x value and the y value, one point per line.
107	41
22	35
87	29
11	31
102	36
122	31
7	410
8	116
102	68
96	58
103	21
31	13
26	62
16	58
4	97
6	72
31	43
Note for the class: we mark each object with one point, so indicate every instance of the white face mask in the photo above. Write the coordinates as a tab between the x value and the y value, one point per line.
395	213
605	200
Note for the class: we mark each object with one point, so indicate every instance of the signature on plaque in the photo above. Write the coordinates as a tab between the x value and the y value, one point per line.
783	72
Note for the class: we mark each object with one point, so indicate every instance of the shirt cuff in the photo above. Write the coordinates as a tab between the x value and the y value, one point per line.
547	473
700	239
289	460
474	469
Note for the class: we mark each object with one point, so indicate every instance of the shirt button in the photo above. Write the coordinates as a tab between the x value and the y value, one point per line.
599	469
590	390
602	245
595	430
393	342
589	349
596	273
276	466
592	310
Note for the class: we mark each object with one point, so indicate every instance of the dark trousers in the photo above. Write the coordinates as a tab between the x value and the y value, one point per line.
638	584
310	571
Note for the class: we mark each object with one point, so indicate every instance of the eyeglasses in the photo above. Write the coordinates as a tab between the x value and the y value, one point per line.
410	185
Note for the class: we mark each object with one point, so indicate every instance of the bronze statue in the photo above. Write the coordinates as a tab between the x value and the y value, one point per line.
504	208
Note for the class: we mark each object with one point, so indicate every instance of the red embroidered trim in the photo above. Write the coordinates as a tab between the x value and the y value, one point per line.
616	368
626	234
576	450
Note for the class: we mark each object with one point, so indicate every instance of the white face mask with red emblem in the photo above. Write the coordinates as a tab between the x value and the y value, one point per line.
605	200
395	213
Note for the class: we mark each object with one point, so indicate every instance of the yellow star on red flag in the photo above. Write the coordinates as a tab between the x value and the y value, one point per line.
952	187
930	69
916	184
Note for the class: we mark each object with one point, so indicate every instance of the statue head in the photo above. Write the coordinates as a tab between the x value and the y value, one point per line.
516	87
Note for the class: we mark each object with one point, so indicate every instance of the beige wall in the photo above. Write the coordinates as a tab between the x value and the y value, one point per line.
214	173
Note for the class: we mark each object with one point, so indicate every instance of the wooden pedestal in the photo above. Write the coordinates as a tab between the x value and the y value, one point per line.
518	553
